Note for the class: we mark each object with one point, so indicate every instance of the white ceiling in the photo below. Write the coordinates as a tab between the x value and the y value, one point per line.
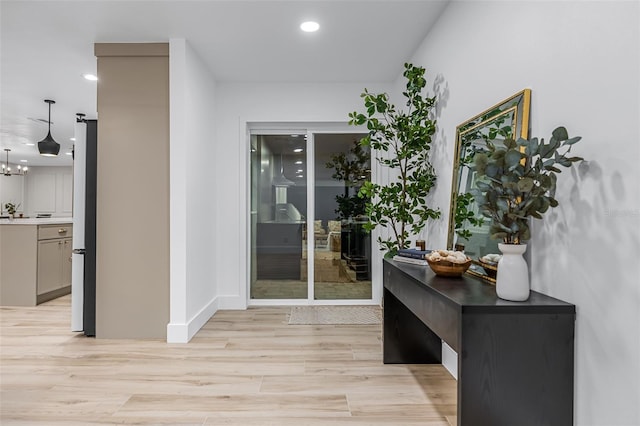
46	47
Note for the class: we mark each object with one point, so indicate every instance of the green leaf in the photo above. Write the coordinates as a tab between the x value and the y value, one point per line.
510	143
560	133
572	140
502	205
512	157
492	170
525	184
545	205
545	182
544	150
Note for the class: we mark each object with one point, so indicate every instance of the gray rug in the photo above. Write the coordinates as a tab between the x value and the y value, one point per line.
310	315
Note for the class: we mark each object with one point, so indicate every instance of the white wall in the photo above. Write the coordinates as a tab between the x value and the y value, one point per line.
48	190
193	193
581	60
238	104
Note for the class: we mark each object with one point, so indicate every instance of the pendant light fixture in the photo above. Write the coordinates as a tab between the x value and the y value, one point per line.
6	169
47	146
280	180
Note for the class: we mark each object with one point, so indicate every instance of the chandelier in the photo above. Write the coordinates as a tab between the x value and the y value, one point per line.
6	169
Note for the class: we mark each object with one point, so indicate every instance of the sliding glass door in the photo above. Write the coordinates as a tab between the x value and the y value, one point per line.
278	211
307	240
342	247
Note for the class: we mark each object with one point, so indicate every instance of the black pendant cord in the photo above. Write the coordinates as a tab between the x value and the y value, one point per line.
49	120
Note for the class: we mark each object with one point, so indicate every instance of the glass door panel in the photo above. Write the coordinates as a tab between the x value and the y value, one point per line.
278	211
342	248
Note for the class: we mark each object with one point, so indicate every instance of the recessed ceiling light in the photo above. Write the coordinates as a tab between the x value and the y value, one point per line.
309	26
299	162
30	144
72	139
24	161
297	150
90	77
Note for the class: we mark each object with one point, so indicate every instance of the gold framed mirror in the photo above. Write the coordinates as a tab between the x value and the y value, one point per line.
507	119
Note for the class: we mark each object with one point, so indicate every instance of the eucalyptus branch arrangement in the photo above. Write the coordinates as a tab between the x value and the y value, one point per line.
403	140
518	181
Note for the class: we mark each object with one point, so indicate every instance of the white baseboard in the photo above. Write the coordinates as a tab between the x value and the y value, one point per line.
232	303
183	333
450	360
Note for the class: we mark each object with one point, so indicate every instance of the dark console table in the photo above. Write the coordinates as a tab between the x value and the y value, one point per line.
515	359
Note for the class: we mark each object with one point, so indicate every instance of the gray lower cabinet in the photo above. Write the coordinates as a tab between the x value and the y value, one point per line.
54	260
35	265
54	265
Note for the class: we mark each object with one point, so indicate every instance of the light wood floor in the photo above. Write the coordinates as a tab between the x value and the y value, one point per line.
243	368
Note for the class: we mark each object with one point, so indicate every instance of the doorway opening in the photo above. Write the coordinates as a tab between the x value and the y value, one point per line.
307	238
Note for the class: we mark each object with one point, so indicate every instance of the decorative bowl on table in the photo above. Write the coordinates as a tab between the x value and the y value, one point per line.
447	263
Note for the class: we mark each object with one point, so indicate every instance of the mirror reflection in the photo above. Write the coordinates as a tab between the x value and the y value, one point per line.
468	230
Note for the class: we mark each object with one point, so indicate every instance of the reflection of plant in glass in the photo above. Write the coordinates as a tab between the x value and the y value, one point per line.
501	126
518	181
404	140
465	216
352	168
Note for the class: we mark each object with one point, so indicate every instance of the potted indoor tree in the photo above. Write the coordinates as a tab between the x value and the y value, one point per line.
402	139
517	181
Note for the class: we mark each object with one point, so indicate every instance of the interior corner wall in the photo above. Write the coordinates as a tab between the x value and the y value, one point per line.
581	60
193	193
132	267
238	104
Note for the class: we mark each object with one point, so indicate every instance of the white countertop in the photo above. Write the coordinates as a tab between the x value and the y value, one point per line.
39	221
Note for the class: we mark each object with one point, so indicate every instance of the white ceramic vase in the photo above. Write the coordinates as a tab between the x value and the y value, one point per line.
512	281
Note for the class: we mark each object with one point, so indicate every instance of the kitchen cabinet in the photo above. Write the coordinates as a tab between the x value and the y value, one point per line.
54	258
35	265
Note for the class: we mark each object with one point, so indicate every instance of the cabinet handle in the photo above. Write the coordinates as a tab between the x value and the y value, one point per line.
61	231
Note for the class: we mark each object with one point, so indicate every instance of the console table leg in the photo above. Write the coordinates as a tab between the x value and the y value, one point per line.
406	340
516	370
